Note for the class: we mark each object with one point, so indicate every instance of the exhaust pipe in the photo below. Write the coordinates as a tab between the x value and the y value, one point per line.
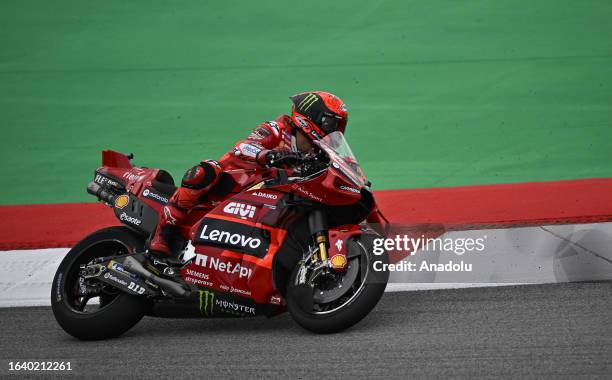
132	265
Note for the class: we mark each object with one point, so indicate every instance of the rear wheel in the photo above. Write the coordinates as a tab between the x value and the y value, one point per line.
323	301
92	311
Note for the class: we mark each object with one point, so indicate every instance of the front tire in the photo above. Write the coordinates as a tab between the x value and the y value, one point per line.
349	309
117	312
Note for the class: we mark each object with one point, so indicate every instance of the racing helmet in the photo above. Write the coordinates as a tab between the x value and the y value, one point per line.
318	113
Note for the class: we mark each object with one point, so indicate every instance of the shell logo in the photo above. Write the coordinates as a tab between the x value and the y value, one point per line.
338	261
122	201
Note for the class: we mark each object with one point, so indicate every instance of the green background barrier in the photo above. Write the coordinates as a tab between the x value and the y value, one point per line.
440	93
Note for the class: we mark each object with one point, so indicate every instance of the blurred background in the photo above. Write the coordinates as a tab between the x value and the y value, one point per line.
440	93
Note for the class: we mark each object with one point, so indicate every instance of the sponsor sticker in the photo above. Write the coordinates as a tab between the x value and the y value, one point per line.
275	127
58	287
212	303
110	276
262	194
150	194
198	278
260	133
119	268
242	292
307	193
235	236
103	180
132	286
169	217
133	177
249	150
242	210
122	201
136	288
223	266
130	219
349	189
207	299
232	307
301	121
338	261
339	244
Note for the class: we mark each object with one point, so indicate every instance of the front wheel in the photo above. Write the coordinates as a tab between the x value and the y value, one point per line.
326	302
93	311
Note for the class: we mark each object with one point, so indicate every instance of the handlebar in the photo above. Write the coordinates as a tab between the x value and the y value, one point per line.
103	195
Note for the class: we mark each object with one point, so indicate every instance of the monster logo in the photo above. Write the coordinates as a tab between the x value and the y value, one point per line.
211	303
308	101
207	299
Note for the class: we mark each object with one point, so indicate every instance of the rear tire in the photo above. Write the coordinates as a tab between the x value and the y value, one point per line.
118	312
356	308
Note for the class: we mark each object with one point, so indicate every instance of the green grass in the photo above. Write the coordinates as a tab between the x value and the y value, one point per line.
440	93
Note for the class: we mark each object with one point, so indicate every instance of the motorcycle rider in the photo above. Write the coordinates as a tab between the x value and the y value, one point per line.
275	143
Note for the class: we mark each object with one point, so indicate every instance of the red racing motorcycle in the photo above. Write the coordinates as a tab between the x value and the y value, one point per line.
298	240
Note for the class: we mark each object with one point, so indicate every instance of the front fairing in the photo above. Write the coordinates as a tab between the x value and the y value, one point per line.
341	158
341	182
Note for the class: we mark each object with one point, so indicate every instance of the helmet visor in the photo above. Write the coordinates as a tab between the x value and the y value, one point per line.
331	123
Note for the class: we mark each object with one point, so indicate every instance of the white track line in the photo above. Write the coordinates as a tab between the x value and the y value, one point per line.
26	276
528	255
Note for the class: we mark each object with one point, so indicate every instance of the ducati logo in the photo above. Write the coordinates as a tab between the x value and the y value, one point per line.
242	210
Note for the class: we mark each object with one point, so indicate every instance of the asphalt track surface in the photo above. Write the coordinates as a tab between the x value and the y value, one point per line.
561	330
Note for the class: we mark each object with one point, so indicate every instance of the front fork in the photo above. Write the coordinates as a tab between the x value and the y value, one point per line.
317	223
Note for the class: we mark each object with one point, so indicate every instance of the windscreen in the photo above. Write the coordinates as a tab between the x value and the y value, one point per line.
342	157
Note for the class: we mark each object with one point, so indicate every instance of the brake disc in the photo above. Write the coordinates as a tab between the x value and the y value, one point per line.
338	289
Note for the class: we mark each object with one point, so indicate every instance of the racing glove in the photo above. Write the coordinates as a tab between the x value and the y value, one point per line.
279	158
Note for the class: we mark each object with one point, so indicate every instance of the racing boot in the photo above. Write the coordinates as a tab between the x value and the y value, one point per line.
160	245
